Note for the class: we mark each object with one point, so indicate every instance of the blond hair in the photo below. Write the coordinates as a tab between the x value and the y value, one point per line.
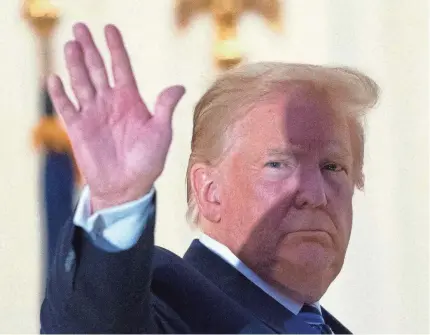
233	94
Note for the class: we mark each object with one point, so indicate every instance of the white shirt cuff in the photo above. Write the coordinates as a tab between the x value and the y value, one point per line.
120	226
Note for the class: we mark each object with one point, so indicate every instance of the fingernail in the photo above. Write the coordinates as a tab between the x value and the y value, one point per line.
69	47
78	28
181	89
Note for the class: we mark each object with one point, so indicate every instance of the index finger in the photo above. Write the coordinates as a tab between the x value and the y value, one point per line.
121	66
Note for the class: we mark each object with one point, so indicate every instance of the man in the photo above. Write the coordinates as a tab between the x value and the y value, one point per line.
277	151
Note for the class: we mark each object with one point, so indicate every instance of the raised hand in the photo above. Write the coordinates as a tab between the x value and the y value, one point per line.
119	146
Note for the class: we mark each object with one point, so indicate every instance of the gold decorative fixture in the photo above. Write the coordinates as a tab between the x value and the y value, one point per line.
226	14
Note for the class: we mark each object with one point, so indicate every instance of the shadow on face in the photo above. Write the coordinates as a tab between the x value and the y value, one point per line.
285	193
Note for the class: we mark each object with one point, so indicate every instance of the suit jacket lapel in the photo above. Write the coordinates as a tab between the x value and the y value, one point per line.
239	288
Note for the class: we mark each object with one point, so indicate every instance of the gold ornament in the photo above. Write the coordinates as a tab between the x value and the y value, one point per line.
226	13
42	16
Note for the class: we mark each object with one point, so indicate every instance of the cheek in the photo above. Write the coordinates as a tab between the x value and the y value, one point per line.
250	197
339	187
268	205
339	191
237	192
271	197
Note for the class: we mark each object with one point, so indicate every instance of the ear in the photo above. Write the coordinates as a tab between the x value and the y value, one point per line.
206	190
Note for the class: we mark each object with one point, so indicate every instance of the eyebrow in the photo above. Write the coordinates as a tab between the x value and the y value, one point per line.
280	151
333	148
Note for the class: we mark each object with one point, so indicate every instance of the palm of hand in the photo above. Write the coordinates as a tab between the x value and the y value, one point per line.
119	146
114	142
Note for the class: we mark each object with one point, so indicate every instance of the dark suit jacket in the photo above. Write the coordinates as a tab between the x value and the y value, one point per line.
148	289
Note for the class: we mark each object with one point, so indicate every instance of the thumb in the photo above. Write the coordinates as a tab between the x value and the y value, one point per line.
166	103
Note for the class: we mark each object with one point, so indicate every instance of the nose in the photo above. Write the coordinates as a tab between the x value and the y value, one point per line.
311	190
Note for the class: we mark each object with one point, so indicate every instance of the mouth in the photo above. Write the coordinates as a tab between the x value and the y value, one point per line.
310	235
310	231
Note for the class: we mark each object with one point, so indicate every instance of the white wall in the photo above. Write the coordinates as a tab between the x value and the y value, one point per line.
384	285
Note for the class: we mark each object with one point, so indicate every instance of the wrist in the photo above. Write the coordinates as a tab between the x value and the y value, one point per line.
108	201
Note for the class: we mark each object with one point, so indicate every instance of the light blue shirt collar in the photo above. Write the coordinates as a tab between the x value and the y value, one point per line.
225	253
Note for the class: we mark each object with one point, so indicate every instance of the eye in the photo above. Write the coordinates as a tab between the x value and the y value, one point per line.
274	165
333	167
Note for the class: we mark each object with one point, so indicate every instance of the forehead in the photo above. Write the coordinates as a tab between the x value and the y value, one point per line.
300	118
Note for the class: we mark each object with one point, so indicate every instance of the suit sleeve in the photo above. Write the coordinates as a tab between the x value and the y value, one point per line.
90	290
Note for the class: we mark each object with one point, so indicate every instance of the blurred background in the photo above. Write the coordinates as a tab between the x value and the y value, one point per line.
383	287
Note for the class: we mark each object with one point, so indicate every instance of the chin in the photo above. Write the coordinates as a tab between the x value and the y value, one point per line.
306	271
301	287
311	256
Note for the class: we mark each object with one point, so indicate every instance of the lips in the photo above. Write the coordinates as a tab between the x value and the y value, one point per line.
310	234
311	231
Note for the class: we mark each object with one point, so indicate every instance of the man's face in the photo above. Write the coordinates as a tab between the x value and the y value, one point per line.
286	207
